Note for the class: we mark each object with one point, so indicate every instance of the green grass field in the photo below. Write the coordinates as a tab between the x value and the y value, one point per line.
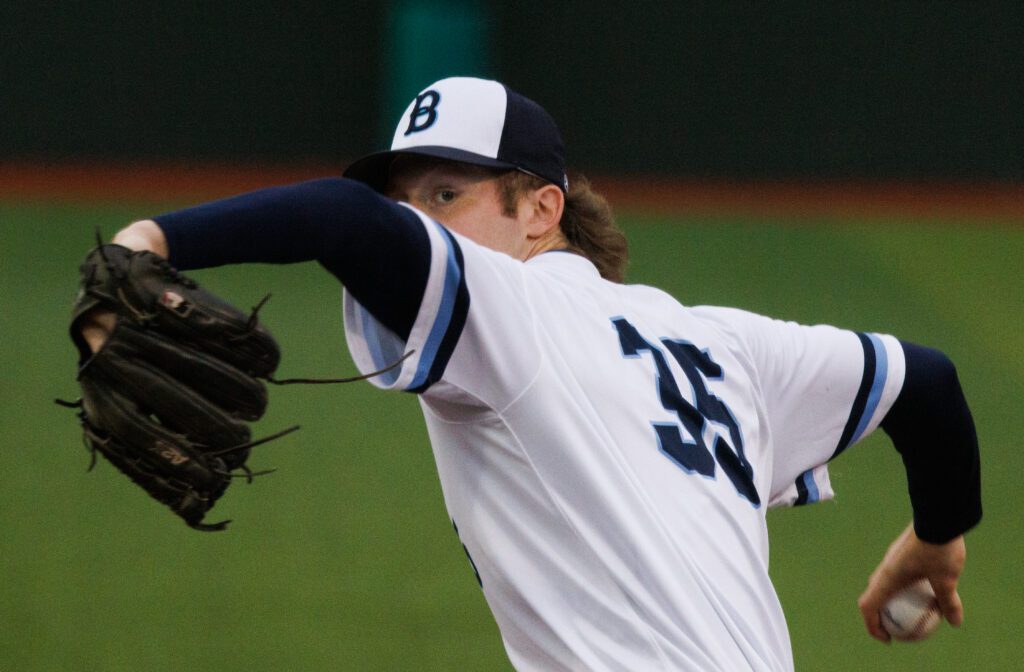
345	559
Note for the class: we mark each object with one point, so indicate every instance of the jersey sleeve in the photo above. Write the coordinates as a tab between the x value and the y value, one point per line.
823	390
472	329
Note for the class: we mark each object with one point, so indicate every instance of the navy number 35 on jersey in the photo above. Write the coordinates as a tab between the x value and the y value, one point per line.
692	455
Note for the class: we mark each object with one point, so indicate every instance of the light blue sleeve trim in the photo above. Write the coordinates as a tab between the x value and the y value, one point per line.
452	278
377	341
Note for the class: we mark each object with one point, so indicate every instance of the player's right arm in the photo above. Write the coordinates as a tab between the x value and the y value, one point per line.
825	389
908	559
931	426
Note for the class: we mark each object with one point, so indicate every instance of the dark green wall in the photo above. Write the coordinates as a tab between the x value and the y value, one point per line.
854	89
188	80
794	88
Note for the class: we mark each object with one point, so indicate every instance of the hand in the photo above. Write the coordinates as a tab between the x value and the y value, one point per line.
908	560
169	394
96	327
143	235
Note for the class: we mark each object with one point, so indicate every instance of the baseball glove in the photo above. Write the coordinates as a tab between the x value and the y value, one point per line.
168	397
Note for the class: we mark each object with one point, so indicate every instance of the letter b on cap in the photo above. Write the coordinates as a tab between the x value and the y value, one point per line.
424	112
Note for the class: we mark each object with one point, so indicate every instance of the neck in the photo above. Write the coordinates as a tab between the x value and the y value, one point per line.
552	240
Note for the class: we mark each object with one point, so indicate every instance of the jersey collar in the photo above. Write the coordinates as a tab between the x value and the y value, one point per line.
564	259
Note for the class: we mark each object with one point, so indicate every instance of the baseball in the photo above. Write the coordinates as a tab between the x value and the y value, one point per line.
912	614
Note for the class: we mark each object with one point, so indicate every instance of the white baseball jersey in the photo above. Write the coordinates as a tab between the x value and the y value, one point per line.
607	455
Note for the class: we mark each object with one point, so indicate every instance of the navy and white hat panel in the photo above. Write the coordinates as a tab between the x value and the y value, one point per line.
459	112
532	136
475	121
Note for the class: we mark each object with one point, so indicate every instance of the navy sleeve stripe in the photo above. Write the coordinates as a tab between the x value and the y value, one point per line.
801	491
450	321
872	383
806	489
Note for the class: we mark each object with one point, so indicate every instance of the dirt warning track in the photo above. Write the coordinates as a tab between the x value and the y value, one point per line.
811	199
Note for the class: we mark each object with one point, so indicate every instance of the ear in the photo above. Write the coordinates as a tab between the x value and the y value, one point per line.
544	210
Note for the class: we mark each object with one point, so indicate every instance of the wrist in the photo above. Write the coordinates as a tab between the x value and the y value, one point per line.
940	522
145	235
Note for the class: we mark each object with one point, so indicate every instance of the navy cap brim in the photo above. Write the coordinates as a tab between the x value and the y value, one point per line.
374	169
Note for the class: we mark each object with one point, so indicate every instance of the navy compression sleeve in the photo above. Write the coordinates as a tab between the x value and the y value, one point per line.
932	428
374	246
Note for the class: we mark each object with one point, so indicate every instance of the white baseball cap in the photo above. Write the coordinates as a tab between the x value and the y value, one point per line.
476	121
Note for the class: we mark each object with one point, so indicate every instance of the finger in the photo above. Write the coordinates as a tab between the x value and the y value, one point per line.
97	327
869	611
950	604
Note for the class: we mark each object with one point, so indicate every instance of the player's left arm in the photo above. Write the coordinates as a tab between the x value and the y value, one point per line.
377	248
931	426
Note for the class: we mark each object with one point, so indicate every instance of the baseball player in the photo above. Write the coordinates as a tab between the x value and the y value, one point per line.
607	454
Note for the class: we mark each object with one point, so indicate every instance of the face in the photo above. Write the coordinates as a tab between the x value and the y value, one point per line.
464	198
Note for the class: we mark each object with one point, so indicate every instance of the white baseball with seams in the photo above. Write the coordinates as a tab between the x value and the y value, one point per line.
912	614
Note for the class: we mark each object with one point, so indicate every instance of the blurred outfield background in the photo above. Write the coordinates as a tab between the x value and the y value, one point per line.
345	559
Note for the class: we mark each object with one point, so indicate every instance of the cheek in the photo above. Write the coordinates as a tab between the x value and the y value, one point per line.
503	235
468	226
490	229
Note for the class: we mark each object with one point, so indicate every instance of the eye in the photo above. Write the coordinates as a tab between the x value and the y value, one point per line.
443	196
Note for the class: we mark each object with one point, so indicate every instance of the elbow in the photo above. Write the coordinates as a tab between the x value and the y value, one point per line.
931	372
931	394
